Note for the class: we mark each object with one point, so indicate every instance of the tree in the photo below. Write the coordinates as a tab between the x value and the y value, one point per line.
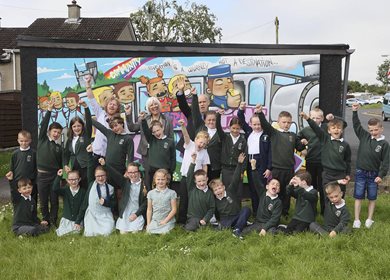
382	72
171	22
355	86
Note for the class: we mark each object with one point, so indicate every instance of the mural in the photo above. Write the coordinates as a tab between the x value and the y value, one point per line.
289	83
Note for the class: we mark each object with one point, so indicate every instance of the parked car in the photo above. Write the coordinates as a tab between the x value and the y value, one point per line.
375	100
386	107
351	101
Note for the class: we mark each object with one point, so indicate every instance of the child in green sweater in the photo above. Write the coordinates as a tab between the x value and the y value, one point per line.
372	164
336	215
306	201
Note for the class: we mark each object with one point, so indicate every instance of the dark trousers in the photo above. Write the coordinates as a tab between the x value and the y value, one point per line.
258	227
46	196
192	224
252	190
283	176
315	170
331	176
317	228
181	191
34	230
227	177
296	226
83	174
213	174
237	221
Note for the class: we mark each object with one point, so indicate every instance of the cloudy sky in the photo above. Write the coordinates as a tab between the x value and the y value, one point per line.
360	24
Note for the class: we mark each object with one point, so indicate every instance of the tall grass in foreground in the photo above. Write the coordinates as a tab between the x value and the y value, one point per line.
202	255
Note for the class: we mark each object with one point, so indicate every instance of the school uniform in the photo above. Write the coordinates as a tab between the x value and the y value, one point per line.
187	112
283	144
98	219
25	220
72	212
258	148
75	152
305	208
269	210
201	204
49	160
229	206
336	218
133	201
336	161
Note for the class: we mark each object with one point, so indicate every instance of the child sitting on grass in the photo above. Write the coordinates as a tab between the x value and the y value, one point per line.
161	211
336	215
306	202
270	206
25	220
97	205
228	204
73	197
201	204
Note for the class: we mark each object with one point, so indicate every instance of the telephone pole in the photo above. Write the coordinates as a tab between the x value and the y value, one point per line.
277	29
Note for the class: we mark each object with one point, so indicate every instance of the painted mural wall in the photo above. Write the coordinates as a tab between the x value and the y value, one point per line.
289	83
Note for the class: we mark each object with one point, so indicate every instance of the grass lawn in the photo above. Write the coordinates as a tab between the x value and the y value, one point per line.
202	255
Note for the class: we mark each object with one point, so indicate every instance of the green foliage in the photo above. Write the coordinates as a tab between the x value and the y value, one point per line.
206	254
356	86
5	159
383	69
171	22
43	89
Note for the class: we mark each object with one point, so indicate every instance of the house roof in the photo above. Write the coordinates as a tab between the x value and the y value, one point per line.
85	29
8	37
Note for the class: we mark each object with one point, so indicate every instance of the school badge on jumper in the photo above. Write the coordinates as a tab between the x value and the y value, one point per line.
81	139
121	141
57	149
166	145
338	213
378	148
341	149
290	138
229	199
240	146
270	206
265	138
29	158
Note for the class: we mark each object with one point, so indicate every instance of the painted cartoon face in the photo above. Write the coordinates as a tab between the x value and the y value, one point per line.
222	85
57	101
126	94
100	177
24	142
71	103
284	123
43	104
77	128
158	89
105	96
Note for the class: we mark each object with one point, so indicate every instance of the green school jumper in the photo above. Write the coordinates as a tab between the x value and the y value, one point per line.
306	203
336	218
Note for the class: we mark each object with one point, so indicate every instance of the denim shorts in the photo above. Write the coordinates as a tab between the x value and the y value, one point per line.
364	180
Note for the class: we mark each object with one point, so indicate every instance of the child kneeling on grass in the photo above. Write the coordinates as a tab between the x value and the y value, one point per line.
25	220
161	211
336	215
73	197
306	202
270	206
228	203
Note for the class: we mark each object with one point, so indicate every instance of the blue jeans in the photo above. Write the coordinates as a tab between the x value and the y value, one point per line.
364	180
237	221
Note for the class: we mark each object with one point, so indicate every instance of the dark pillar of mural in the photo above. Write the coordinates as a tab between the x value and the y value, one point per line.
330	84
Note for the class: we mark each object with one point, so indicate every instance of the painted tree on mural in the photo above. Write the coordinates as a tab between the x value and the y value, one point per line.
171	22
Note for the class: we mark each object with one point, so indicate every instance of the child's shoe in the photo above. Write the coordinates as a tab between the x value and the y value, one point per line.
369	223
237	233
357	224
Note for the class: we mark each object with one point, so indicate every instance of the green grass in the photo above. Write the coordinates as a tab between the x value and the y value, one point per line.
5	158
202	255
372	106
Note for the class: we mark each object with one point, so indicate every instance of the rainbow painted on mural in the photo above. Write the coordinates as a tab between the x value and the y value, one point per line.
127	68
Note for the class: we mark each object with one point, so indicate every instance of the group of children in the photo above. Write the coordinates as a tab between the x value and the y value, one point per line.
212	168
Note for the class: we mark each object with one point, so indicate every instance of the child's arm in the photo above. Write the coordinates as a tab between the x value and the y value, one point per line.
149	211
210	212
321	134
190	174
143	205
233	186
10	173
171	214
260	189
311	196
130	149
344	220
385	162
186	136
117	178
102	128
196	115
56	187
347	158
83	208
45	121
267	127
172	156
133	127
241	116
146	129
168	127
220	131
88	119
181	98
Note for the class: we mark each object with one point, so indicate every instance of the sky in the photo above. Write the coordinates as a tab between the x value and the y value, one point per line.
360	24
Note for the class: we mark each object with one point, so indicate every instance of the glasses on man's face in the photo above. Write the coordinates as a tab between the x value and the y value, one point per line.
73	180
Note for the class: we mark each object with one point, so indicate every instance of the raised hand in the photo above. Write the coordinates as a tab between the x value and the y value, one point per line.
241	157
242	106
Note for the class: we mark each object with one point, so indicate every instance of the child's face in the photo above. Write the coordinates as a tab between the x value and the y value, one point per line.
100	177
335	197
24	142
117	128
25	190
235	130
273	187
255	124
55	133
133	174
77	128
160	180
299	182
317	117
200	143
375	130
284	123
73	180
201	181
158	131
335	131
219	189
211	121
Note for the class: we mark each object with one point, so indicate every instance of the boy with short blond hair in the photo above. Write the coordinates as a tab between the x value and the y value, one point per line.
372	164
336	215
283	145
25	221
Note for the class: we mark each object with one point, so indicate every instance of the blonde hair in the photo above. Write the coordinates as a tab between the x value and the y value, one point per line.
173	80
203	134
331	187
317	110
213	183
166	174
98	91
